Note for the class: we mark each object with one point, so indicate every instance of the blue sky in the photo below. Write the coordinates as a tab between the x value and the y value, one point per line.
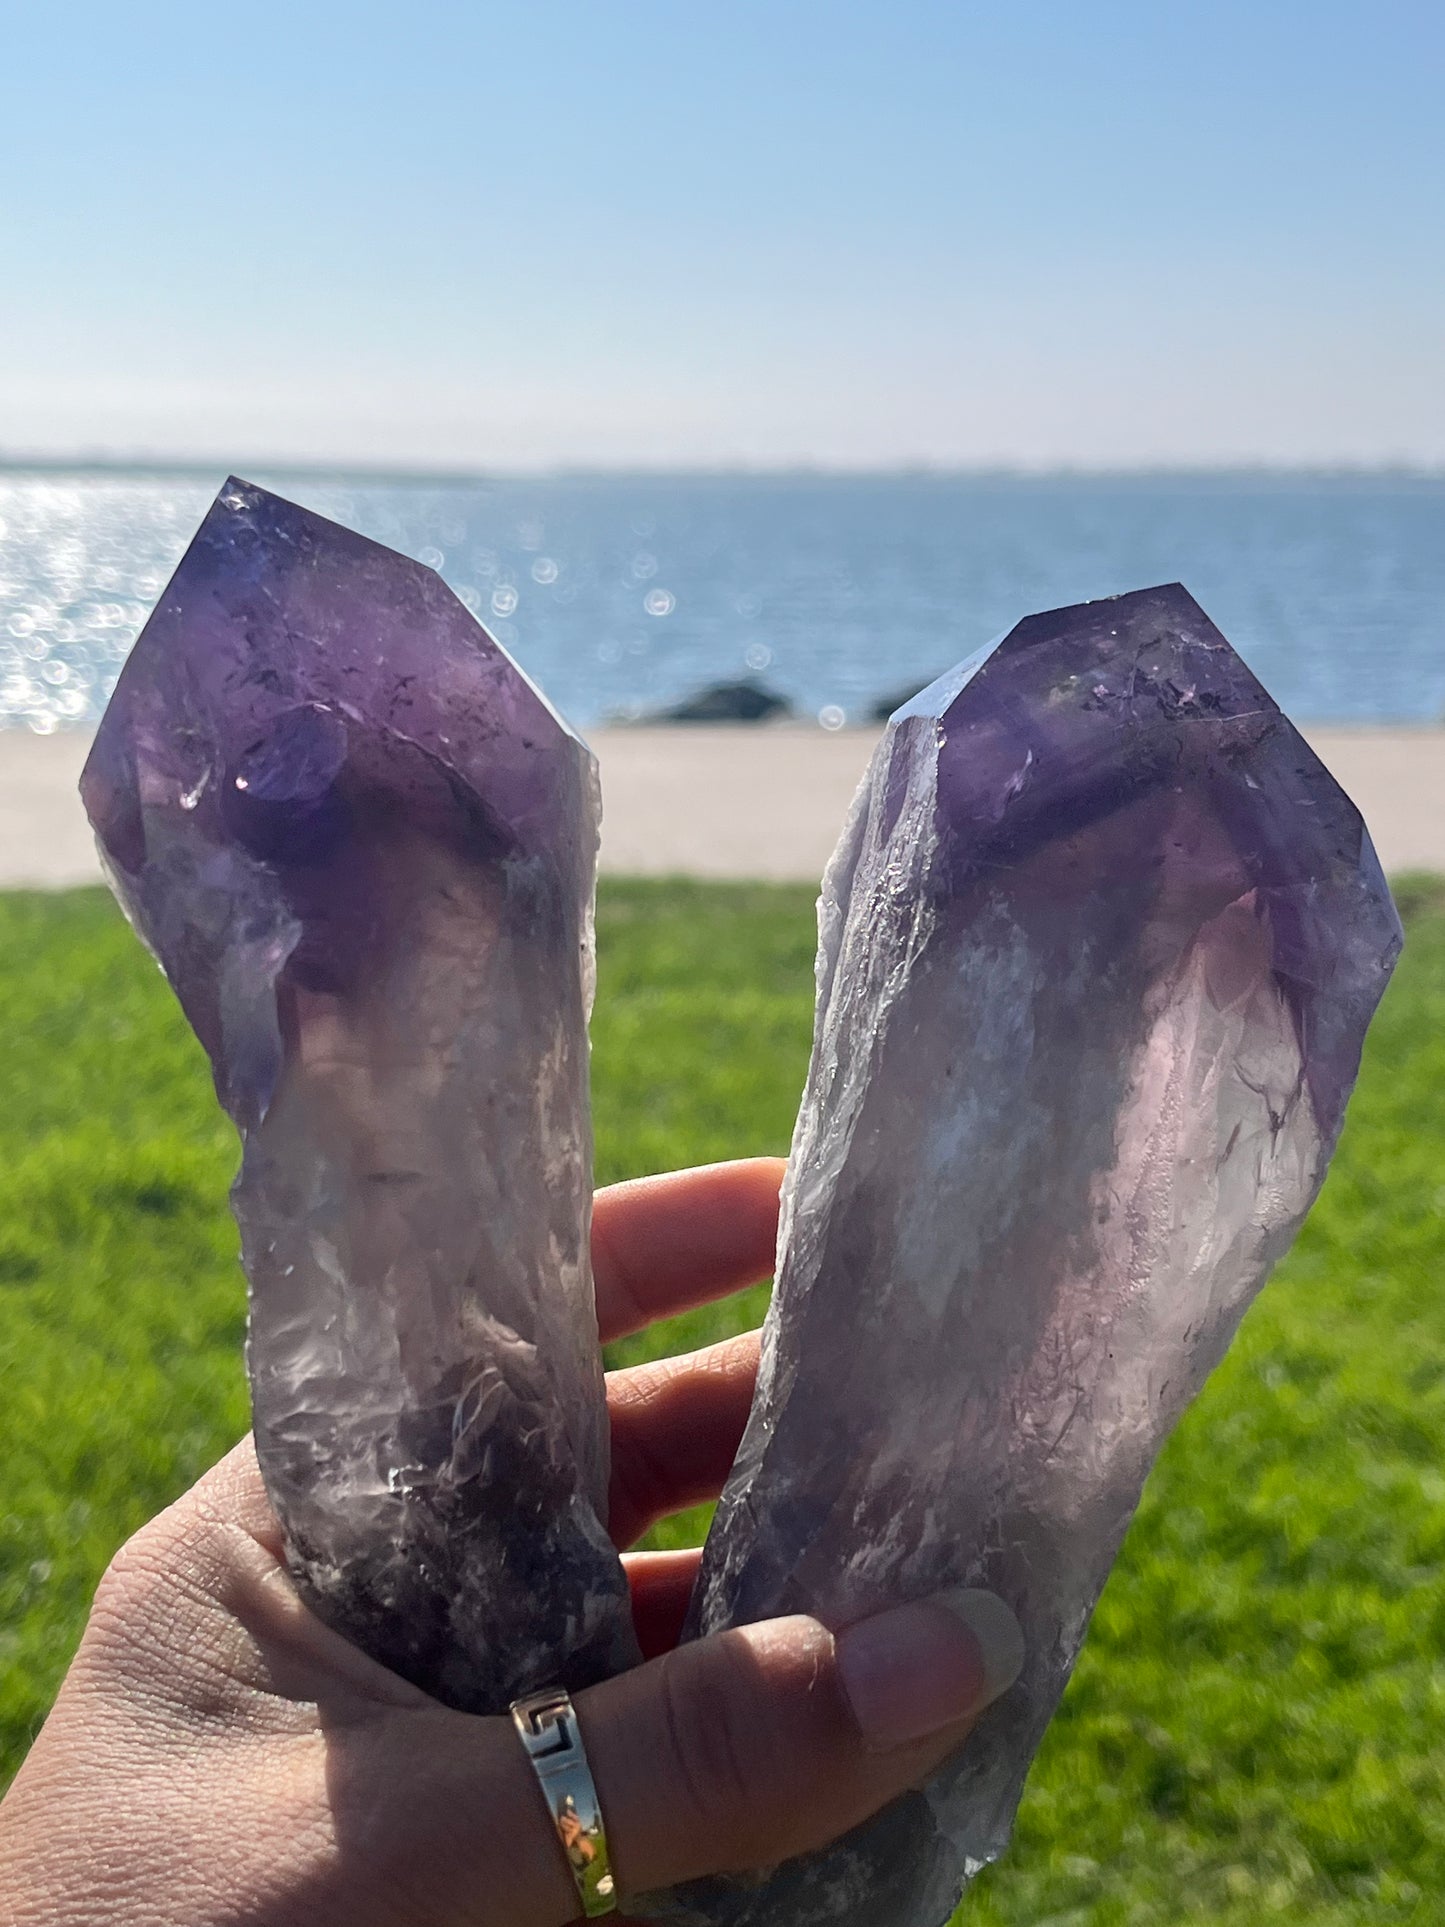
523	234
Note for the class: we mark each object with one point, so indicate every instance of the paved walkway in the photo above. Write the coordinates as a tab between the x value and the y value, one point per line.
723	802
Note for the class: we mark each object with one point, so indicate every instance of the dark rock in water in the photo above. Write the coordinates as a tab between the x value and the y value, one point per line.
362	846
727	702
880	710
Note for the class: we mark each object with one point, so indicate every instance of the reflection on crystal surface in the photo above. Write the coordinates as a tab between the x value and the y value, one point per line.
362	847
1098	950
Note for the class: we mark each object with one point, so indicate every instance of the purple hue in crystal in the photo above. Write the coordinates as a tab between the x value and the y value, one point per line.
1097	954
362	847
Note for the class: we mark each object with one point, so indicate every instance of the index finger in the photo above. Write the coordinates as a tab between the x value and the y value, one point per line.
661	1245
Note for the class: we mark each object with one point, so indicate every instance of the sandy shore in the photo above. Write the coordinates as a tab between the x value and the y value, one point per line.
723	802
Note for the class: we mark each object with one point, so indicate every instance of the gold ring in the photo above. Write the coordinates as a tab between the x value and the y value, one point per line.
547	1725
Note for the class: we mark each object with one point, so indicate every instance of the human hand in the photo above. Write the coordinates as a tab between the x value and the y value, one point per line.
218	1755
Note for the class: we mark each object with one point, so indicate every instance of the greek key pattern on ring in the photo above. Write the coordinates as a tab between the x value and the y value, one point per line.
546	1723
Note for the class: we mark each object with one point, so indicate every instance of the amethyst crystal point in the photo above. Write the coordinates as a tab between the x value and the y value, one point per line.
362	847
1098	949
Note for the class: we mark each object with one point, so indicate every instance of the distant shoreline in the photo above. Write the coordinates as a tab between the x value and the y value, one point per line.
200	469
738	801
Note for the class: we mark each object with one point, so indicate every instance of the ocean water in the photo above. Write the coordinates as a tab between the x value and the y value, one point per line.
621	594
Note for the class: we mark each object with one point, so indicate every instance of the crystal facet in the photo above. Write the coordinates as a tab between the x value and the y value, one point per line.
362	847
1098	950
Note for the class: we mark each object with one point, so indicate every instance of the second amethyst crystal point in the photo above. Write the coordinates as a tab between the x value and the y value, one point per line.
363	847
1097	954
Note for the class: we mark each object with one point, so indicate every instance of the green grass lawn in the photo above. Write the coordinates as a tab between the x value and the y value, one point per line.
1256	1732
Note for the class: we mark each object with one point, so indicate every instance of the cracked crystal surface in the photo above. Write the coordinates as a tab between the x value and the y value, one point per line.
362	847
1098	949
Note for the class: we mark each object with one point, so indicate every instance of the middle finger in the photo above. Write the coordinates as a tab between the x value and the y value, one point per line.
676	1425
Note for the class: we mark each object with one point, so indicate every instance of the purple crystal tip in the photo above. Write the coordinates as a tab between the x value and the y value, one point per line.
1086	713
284	650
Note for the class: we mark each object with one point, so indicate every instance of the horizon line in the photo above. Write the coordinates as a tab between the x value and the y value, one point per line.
450	476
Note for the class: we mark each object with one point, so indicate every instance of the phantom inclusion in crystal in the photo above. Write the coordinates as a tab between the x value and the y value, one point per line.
362	847
1097	953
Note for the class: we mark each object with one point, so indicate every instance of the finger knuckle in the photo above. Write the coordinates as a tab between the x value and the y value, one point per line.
131	1579
126	1628
151	1580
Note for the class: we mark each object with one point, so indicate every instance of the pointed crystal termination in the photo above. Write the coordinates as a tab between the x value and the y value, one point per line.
362	847
1098	950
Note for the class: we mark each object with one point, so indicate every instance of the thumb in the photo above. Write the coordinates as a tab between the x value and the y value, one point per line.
746	1748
